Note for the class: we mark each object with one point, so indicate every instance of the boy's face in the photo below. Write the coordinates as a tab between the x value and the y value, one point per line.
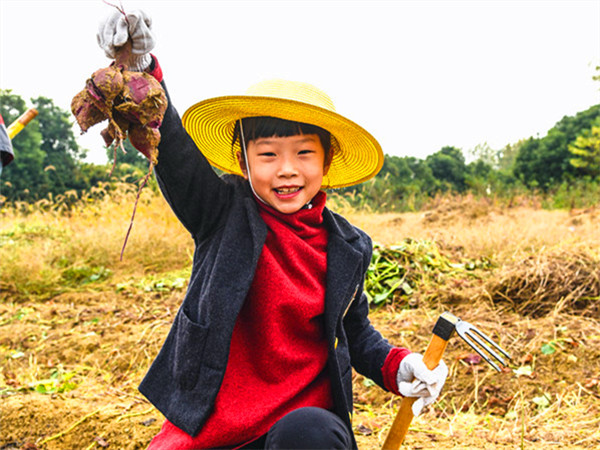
287	172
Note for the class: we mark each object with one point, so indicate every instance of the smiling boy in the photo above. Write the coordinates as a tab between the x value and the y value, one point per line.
261	351
287	172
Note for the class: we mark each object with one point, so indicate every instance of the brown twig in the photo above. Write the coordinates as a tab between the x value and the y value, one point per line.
112	169
72	427
137	198
120	9
127	416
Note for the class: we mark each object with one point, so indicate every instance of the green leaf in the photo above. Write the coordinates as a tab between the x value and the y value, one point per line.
367	382
379	298
391	282
548	349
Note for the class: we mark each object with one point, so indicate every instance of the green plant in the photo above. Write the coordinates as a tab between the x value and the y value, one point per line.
401	269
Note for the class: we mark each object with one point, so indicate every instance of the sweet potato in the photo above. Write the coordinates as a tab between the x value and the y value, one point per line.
144	99
123	98
134	103
145	139
85	111
105	84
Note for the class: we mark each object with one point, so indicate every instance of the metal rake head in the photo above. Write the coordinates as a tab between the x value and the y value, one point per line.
479	342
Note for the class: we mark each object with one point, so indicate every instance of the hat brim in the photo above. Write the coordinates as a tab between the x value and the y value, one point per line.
210	123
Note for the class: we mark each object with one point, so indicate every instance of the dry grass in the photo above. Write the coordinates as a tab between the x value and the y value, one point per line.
478	229
78	328
560	279
44	253
543	400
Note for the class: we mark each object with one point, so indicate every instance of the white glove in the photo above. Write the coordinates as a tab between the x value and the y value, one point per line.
114	31
416	380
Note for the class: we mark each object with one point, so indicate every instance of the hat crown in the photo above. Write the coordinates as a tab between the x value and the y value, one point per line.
292	90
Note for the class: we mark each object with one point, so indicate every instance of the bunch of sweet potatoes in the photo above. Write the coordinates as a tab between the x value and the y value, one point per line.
134	104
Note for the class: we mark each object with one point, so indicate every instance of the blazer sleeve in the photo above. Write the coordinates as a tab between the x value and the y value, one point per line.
368	349
370	353
197	195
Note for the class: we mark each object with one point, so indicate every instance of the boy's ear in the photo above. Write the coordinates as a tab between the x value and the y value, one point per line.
242	164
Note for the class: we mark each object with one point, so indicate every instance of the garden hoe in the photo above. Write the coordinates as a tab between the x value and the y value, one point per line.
442	331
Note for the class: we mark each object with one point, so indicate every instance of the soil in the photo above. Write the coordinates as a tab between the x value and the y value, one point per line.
106	340
71	364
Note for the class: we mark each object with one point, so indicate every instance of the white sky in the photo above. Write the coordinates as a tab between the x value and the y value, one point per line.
417	75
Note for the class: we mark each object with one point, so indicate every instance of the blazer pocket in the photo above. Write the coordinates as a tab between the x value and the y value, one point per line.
190	341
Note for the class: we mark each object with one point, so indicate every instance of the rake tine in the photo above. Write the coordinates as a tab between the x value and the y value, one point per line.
468	334
467	337
496	346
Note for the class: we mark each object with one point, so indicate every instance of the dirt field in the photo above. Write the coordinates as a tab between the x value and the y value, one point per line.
78	328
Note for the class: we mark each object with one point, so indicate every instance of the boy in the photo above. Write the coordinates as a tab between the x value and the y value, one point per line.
260	352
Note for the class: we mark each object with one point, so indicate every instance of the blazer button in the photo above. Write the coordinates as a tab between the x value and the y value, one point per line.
336	343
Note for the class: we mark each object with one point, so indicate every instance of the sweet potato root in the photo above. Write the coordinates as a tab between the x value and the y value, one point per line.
134	103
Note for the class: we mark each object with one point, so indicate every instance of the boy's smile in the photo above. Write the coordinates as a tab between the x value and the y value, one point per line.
286	172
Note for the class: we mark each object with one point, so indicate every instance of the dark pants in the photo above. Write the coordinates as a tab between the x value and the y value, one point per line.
306	428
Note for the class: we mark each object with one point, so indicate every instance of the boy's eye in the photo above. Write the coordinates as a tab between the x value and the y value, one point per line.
268	154
306	152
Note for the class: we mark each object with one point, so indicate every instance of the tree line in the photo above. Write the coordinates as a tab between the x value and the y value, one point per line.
49	162
565	160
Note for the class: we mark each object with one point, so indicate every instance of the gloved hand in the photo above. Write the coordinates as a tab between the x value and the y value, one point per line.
114	31
416	380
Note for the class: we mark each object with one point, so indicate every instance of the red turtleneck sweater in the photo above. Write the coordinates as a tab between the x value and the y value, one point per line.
278	355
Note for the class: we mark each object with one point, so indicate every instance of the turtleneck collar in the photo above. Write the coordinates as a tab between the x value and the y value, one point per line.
303	222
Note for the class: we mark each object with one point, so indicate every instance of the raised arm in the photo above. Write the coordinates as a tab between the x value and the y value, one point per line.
196	194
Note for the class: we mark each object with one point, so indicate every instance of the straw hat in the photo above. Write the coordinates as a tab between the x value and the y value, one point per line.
357	155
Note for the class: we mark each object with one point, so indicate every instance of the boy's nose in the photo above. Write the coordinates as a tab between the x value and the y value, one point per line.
287	168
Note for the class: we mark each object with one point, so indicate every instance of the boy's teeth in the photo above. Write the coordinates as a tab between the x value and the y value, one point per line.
287	190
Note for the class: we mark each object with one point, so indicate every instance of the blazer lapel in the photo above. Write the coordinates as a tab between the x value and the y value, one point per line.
258	229
343	271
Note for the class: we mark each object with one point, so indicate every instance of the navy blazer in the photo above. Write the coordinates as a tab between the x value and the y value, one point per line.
223	219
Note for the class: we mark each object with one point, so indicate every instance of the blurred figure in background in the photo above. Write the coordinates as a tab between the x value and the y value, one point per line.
6	150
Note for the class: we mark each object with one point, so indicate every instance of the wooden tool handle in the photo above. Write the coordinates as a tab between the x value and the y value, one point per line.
399	428
16	127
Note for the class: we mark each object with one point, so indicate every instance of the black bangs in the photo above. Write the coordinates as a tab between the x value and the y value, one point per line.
264	127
